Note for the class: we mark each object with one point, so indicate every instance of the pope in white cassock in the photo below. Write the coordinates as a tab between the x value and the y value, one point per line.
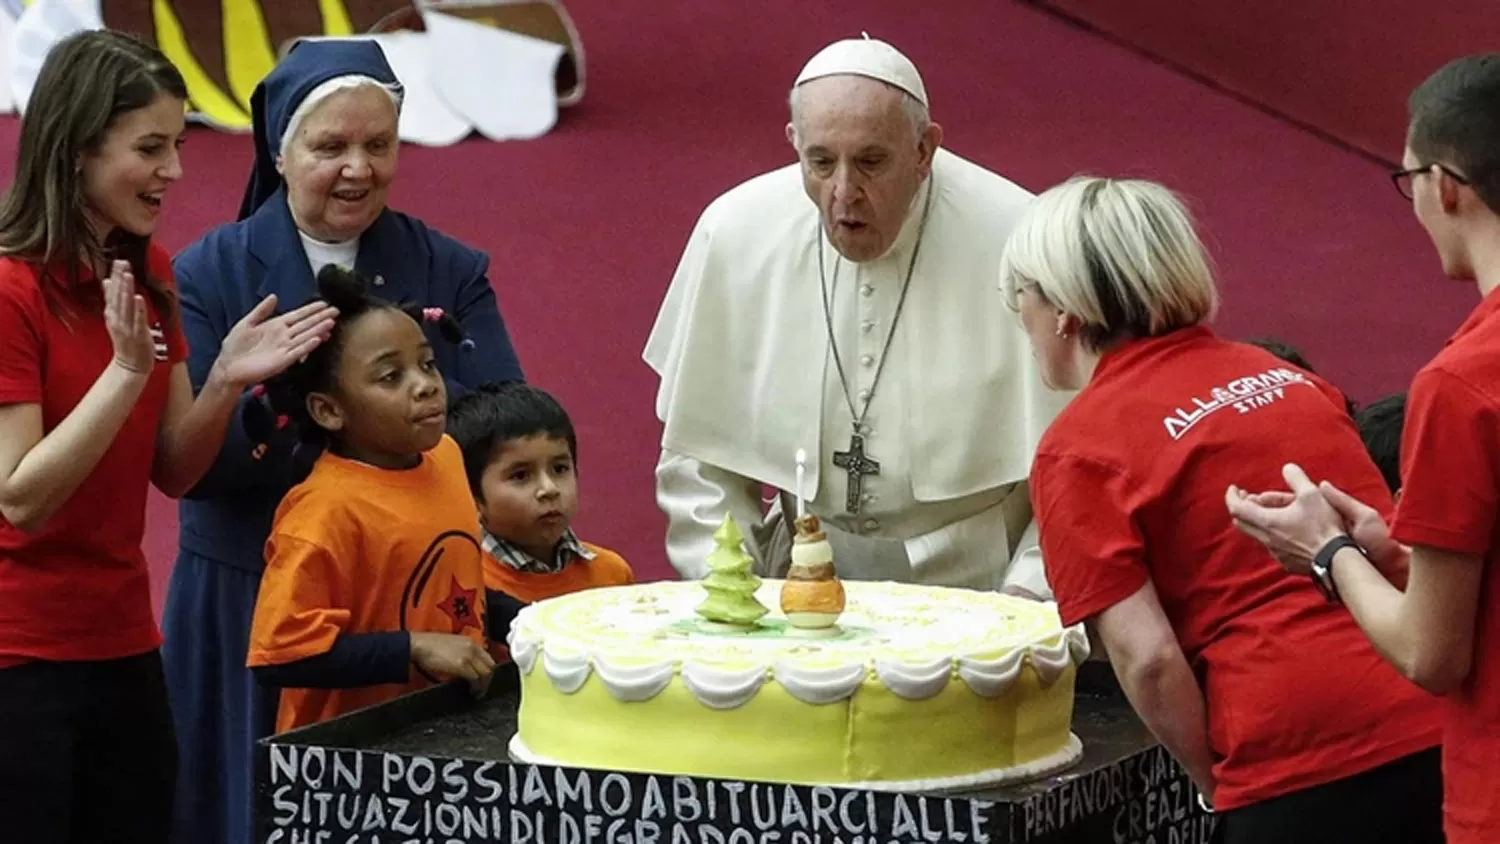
865	327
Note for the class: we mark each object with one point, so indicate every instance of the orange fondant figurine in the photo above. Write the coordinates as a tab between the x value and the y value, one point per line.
813	596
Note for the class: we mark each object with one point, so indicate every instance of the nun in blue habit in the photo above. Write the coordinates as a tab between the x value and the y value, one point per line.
325	128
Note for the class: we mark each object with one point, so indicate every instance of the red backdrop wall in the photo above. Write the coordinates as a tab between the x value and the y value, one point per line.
1344	68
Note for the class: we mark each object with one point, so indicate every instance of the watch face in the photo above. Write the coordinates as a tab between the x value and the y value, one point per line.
1320	576
1322	566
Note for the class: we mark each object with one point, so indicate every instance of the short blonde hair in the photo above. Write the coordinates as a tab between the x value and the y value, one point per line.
1120	255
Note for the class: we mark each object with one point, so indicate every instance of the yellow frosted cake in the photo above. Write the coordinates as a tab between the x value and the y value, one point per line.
914	687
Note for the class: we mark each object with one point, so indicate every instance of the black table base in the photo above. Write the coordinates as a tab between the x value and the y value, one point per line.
432	768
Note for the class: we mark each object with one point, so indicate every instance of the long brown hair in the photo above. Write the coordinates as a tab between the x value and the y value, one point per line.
87	82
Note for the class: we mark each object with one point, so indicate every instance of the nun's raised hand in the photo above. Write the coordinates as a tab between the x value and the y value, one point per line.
1293	525
261	346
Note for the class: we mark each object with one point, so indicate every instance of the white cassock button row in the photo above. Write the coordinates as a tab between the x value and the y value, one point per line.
867	326
867	360
864	395
867	290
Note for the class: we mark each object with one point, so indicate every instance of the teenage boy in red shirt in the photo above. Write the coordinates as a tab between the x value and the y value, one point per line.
1443	630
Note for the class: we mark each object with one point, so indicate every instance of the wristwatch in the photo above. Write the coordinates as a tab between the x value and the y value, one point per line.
1322	565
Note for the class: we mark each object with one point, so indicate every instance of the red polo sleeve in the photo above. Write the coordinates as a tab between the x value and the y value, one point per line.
1092	547
1450	465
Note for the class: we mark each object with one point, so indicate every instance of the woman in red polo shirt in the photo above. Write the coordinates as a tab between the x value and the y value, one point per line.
1269	695
95	404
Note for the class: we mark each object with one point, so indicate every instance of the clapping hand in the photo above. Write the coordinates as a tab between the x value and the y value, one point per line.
1365	525
125	318
1293	525
261	346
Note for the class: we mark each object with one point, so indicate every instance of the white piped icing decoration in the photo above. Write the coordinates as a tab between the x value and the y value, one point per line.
812	553
991	677
812	620
1051	659
913	639
721	688
915	681
819	686
1078	644
635	683
568	671
524	650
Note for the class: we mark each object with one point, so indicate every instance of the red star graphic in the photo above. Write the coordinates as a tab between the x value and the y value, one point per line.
459	606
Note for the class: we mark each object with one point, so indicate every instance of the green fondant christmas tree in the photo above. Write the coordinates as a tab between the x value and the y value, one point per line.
731	583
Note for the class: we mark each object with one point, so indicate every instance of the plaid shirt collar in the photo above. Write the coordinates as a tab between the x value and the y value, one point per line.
568	550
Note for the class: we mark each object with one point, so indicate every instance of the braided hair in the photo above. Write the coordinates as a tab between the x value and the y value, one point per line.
283	400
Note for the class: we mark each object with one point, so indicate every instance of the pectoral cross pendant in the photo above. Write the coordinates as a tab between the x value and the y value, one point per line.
857	465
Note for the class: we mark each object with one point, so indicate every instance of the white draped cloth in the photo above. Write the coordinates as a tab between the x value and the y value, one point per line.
748	377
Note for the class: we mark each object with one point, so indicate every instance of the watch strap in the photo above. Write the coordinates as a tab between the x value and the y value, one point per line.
1322	565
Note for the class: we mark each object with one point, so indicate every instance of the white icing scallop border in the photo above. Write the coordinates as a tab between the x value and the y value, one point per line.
915	681
1040	768
721	688
819	686
636	683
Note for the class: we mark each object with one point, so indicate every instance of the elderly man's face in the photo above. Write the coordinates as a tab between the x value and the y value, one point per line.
338	169
862	160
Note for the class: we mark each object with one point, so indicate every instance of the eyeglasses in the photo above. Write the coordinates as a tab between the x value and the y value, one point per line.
1012	293
1402	178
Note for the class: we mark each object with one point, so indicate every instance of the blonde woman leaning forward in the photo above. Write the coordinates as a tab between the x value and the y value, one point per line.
1267	693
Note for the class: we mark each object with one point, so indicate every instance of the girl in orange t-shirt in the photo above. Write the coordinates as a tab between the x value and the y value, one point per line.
374	584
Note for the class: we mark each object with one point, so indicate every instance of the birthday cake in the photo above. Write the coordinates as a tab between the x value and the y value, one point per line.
862	684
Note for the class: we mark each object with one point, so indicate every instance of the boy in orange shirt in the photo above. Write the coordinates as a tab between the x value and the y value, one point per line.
520	455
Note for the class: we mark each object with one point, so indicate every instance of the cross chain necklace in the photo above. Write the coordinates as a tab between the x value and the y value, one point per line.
854	461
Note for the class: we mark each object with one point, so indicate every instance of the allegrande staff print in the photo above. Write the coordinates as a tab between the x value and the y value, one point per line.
1242	394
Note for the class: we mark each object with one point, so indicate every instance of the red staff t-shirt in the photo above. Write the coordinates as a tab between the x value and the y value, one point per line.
1128	486
1450	497
78	588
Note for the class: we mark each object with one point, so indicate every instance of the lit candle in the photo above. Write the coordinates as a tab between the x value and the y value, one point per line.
801	471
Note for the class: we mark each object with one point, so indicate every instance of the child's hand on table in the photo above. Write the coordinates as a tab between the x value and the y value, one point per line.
452	655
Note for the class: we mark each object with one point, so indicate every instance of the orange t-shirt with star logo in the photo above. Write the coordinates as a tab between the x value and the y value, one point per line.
358	549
